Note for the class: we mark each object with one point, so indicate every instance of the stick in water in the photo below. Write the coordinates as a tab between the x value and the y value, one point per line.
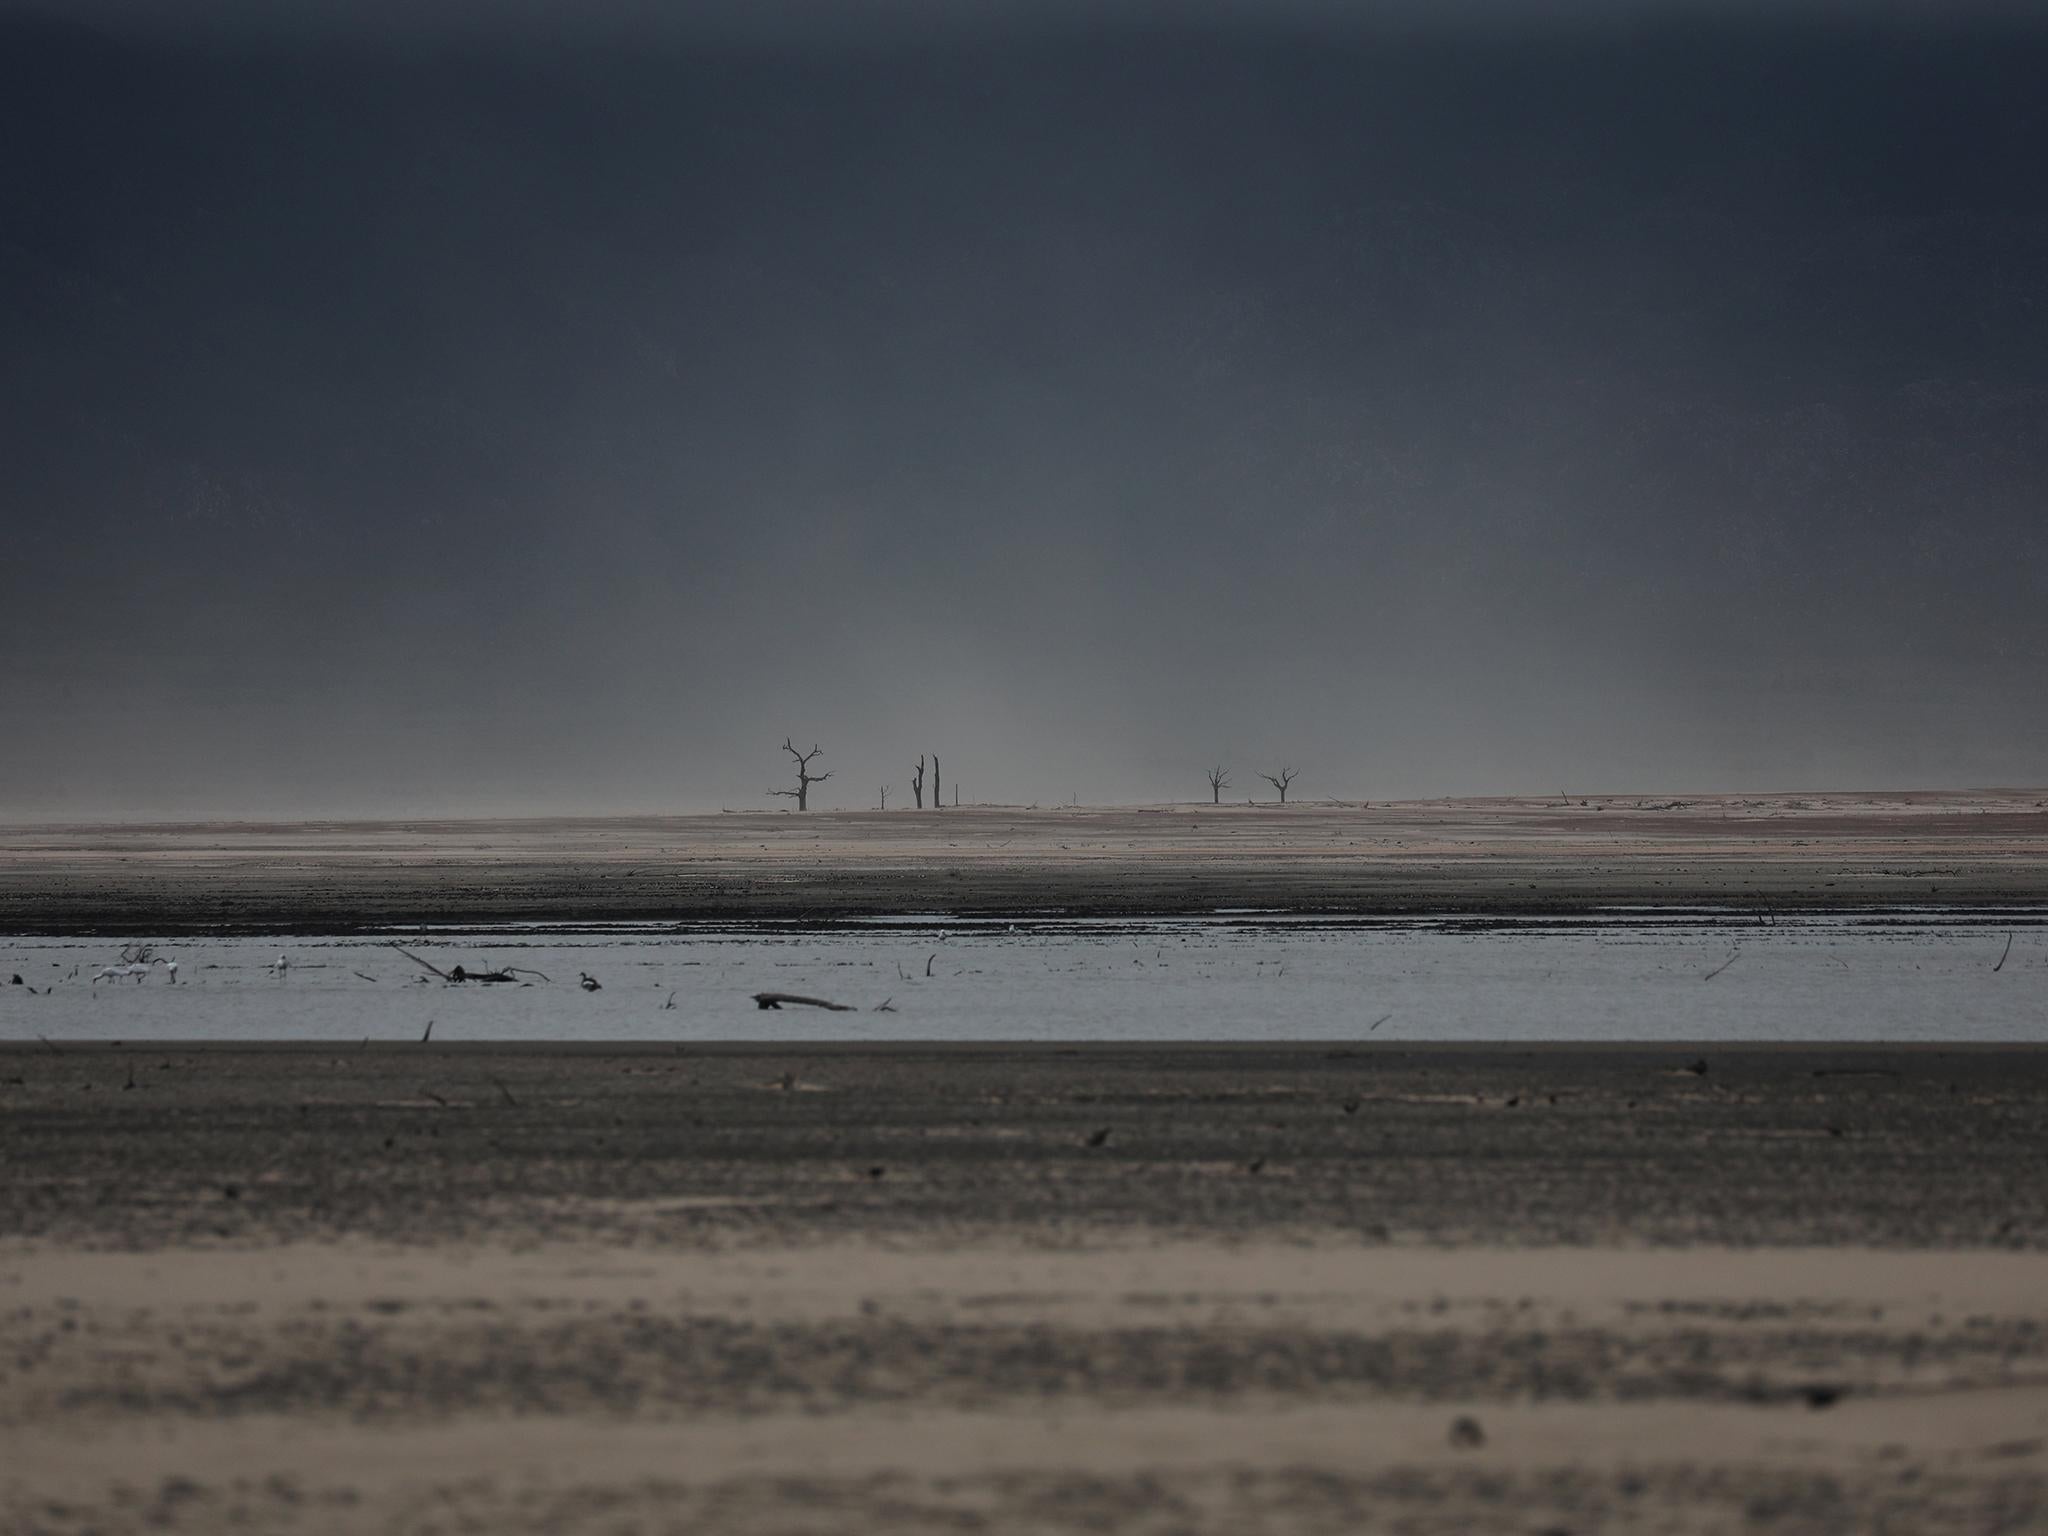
1717	970
416	960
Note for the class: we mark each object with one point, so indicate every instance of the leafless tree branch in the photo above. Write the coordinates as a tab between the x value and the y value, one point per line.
1281	780
804	777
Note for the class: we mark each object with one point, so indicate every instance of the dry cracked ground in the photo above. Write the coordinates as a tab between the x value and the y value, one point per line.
1221	1290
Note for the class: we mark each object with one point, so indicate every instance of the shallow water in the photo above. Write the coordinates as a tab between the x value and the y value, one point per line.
1903	975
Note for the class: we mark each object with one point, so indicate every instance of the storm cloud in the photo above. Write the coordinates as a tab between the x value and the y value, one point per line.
439	409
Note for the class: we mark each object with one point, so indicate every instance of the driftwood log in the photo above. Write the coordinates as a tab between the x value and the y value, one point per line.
502	974
777	999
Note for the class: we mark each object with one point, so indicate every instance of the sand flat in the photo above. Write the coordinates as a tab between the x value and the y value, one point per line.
1292	1289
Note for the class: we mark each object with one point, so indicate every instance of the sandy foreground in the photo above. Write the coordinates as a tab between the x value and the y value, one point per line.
1494	855
757	1289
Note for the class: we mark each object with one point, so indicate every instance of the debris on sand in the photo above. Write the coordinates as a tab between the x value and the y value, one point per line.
1466	1435
1099	1138
777	999
1697	1066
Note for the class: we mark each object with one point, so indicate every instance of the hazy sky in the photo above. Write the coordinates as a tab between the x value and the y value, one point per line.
442	407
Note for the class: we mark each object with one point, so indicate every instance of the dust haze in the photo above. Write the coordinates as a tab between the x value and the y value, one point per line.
455	411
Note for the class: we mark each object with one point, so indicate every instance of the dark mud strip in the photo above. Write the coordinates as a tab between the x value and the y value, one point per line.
136	1147
1302	1502
399	1361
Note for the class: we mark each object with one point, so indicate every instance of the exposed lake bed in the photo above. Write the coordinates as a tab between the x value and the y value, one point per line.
1276	1204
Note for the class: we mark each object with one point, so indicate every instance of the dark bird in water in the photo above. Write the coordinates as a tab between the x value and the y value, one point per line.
587	982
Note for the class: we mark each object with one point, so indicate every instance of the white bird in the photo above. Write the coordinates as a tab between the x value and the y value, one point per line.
116	972
170	968
281	966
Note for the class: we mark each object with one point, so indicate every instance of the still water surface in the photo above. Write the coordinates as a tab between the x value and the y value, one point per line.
1623	975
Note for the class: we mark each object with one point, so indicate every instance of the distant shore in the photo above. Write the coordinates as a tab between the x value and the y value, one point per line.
1504	856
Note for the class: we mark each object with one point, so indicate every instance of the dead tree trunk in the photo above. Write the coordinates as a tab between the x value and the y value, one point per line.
885	797
1219	781
1280	781
938	799
804	777
917	782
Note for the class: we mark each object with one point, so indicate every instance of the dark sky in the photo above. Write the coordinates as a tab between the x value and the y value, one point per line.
441	408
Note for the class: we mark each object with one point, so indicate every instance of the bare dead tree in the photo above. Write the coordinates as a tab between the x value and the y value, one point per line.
885	797
1281	780
938	799
1219	781
804	777
917	782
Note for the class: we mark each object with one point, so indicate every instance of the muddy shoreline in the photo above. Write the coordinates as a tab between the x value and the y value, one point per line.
135	1146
